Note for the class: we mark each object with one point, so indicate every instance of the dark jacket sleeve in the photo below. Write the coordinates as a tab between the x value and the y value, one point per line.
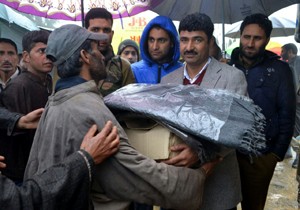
63	186
8	120
286	104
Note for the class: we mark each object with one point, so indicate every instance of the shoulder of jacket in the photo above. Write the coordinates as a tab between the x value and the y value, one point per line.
120	62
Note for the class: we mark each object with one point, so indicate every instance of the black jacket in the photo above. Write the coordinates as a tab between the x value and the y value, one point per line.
270	86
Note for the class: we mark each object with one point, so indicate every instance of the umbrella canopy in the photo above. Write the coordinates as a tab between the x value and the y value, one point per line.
225	11
220	11
282	26
272	46
72	9
14	25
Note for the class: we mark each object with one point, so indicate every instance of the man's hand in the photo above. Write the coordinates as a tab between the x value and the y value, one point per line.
186	157
31	120
2	165
104	144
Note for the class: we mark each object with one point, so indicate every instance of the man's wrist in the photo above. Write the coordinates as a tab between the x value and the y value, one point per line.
88	161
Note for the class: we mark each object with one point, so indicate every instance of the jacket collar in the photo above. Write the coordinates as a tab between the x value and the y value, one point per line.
65	83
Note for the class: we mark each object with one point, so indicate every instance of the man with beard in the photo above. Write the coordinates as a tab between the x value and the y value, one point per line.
119	73
27	92
75	106
270	86
8	61
222	188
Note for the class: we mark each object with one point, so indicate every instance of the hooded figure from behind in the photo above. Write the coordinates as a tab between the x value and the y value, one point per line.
159	48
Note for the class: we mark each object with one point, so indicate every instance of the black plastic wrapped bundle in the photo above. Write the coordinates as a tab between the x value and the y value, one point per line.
217	116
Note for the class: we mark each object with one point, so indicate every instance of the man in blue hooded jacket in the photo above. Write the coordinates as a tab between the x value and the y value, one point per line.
159	49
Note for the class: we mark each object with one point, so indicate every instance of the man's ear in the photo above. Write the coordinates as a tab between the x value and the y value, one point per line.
25	56
211	42
112	34
268	41
84	56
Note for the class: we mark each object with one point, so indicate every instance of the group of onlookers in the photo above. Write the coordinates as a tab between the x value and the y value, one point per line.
86	65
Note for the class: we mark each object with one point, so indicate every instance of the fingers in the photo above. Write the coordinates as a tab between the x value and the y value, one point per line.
2	165
34	115
38	112
91	132
106	130
186	156
114	146
178	147
113	134
113	140
173	161
31	120
102	145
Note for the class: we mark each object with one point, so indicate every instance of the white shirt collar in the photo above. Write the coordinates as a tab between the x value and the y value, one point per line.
186	75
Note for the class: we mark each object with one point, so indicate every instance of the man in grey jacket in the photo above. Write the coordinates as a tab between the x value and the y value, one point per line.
75	105
222	189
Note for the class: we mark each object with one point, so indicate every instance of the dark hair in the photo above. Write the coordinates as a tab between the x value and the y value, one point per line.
9	41
259	19
32	37
290	46
72	66
197	22
159	27
97	13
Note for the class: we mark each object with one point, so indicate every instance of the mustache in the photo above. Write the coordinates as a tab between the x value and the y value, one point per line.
190	52
7	63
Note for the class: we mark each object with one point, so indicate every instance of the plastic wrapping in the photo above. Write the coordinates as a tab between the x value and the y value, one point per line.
216	116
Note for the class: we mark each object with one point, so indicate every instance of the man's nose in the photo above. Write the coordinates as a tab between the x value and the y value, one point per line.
251	42
189	45
155	45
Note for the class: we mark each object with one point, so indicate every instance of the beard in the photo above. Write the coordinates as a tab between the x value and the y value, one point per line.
284	56
97	70
252	56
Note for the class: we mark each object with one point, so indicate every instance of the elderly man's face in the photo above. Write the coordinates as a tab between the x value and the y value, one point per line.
8	58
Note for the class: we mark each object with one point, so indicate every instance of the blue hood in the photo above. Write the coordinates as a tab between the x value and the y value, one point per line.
167	24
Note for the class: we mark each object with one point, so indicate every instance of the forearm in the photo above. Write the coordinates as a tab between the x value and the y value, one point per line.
64	184
8	120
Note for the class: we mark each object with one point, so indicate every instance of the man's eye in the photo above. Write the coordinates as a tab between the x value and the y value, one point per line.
107	30
95	29
11	53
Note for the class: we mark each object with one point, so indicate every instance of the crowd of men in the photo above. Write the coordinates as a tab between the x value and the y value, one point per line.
49	140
